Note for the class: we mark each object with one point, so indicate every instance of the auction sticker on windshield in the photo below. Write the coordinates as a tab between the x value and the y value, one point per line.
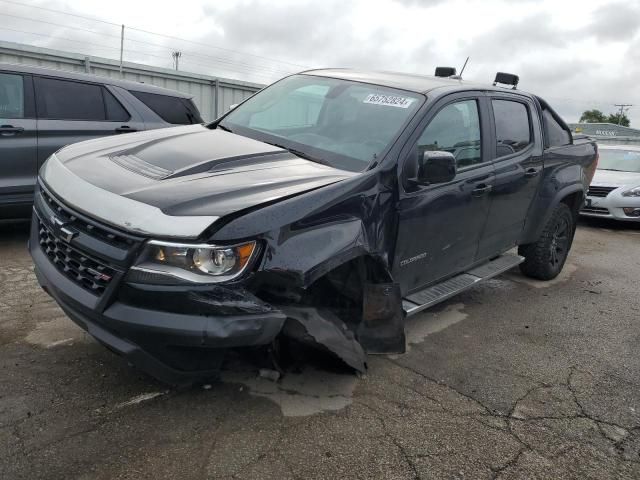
389	100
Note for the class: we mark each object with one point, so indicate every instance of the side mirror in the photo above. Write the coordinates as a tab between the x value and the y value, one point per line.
436	167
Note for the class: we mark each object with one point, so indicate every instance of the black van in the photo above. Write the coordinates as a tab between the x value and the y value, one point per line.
42	110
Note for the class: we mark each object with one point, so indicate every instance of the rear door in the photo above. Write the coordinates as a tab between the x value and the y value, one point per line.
18	144
516	143
70	111
440	225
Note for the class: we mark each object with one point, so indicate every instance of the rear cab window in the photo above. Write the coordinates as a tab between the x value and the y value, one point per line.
175	110
513	126
70	100
556	134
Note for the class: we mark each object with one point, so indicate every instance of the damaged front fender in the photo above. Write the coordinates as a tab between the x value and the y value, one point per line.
325	265
306	236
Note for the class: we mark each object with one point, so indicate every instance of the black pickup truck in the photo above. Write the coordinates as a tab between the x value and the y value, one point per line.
324	210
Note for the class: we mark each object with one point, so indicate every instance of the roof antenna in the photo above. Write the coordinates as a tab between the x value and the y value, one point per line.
459	76
463	67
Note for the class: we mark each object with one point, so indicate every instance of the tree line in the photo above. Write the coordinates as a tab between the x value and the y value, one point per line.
596	116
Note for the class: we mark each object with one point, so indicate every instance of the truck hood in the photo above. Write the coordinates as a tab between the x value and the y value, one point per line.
610	178
176	182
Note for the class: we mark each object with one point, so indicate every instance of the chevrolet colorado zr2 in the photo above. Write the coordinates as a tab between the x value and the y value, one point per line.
325	209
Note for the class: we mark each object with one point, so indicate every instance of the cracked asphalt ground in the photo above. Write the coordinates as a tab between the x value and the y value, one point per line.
513	379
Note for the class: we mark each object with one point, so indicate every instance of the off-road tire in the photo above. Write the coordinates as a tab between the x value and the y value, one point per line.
545	258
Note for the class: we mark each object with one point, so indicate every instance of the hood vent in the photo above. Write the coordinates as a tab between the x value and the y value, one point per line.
139	166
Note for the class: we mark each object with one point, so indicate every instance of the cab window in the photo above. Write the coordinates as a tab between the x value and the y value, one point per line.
455	129
513	128
557	135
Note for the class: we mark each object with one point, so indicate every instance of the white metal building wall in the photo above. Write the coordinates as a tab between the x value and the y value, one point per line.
212	95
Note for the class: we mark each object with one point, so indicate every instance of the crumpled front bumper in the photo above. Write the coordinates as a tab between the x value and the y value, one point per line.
177	348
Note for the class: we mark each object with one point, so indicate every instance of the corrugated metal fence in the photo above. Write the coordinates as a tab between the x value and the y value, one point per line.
212	95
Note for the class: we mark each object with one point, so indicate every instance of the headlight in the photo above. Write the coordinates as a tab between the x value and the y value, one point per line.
634	192
195	263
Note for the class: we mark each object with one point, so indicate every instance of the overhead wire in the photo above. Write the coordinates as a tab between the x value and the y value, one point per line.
270	69
238	52
139	52
244	67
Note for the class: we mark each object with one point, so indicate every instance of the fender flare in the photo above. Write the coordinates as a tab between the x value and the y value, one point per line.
533	231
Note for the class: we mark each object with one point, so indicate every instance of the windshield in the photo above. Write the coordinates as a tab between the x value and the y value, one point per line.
619	160
344	124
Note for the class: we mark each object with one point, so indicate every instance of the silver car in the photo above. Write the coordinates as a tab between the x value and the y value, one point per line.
615	188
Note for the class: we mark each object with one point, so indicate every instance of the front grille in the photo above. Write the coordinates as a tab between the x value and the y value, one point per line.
595	191
92	229
596	210
89	273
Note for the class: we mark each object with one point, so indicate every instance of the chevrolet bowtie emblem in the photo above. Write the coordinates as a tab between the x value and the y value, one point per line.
66	234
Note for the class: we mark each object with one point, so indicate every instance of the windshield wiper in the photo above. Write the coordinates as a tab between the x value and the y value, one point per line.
612	170
300	154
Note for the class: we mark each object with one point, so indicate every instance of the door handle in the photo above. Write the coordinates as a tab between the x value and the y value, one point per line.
125	129
481	190
10	130
531	172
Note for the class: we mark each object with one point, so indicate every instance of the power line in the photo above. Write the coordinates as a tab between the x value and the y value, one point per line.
60	39
152	33
276	71
273	69
60	12
217	48
581	101
57	24
96	45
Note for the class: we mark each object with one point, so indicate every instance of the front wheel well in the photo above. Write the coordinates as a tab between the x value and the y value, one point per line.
342	288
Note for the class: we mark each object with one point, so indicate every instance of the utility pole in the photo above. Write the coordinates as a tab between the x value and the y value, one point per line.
121	48
176	58
622	106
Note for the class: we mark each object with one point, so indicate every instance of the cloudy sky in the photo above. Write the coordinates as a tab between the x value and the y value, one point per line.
577	54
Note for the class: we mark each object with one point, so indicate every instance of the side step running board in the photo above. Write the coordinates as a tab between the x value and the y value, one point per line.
428	297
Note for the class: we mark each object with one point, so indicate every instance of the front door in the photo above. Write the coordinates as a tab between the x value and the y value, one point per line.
18	145
440	225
